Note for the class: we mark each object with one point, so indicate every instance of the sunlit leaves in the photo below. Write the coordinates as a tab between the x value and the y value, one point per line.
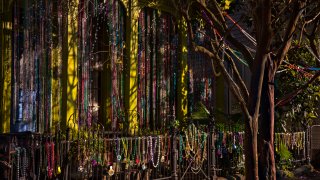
304	108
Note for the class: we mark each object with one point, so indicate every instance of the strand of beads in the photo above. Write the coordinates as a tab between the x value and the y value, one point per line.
180	147
118	150
24	163
40	157
164	149
126	159
138	156
159	152
18	163
200	157
49	159
134	153
144	167
149	141
52	159
131	153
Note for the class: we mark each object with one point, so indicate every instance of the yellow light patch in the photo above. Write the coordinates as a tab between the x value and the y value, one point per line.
6	75
133	99
72	83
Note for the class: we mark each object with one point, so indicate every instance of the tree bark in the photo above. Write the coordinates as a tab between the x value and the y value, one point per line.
257	79
266	162
259	93
250	152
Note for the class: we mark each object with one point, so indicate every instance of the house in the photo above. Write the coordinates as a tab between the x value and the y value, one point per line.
125	64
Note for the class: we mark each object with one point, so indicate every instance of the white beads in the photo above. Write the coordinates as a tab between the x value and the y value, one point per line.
18	163
152	149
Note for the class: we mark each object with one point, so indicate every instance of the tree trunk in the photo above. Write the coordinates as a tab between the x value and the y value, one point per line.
259	71
259	151
267	168
251	153
251	126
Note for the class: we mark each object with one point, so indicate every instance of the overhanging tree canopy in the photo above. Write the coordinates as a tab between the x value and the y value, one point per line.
275	25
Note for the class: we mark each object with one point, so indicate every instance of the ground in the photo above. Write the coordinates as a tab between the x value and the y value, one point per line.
312	176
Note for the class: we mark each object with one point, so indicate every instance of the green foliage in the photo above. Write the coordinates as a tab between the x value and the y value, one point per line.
301	110
226	4
200	112
284	157
288	174
284	153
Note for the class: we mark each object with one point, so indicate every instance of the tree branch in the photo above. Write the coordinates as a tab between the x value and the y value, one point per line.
238	78
242	85
313	18
289	33
211	19
214	56
312	38
234	87
218	13
287	98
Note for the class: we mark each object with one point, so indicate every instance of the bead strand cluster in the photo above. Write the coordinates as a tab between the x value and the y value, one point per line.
21	162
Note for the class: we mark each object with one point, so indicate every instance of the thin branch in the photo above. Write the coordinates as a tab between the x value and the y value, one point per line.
239	87
313	13
314	18
220	28
289	33
311	19
215	72
214	56
234	87
301	33
280	12
218	11
238	77
312	38
287	98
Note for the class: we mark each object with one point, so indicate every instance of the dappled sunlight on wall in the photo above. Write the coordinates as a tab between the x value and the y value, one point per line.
5	97
72	82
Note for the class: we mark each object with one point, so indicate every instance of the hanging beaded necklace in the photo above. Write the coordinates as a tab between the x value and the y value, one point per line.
164	150
125	151
195	147
134	154
118	150
24	163
18	162
39	145
50	158
144	154
181	148
137	160
201	155
153	150
131	153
